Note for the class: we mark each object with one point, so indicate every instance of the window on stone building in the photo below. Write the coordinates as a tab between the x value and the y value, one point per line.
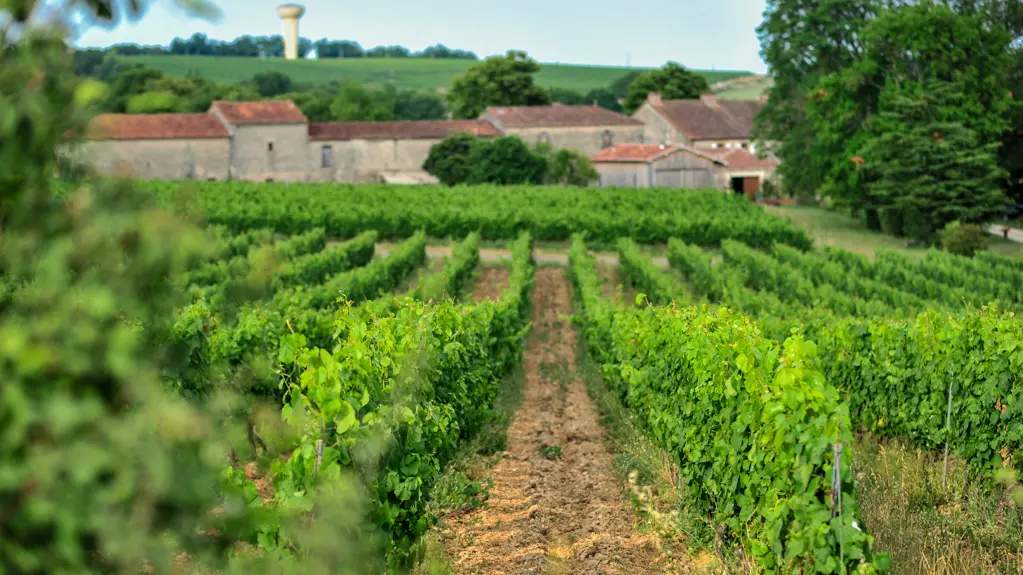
607	139
269	146
326	157
745	145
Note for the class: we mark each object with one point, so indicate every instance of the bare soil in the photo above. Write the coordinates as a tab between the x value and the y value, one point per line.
493	280
556	505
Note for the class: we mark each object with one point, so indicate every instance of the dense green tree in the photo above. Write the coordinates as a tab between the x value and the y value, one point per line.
620	87
673	81
389	52
450	160
337	49
315	104
802	41
497	81
929	168
440	51
822	107
195	94
928	42
1011	153
567	97
87	61
131	82
272	83
604	98
153	103
419	105
567	167
506	161
357	103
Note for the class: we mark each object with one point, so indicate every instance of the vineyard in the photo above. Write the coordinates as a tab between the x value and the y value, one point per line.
755	364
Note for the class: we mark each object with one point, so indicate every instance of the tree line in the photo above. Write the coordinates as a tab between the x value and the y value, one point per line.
273	47
901	112
507	80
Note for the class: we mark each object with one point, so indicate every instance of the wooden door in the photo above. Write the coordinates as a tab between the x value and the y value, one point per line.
750	187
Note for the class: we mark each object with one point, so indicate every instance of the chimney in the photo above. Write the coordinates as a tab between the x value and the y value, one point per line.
709	99
654	98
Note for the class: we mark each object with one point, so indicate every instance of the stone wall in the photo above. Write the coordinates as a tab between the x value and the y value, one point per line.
624	174
360	161
684	170
588	140
720	144
270	152
656	129
199	159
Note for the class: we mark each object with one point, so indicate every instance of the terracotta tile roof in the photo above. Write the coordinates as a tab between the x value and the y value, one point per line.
270	112
155	127
742	159
644	153
398	130
699	119
558	115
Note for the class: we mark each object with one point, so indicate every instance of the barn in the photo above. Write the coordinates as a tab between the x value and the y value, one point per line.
656	165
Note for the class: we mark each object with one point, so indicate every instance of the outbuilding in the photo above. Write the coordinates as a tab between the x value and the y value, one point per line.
745	173
656	165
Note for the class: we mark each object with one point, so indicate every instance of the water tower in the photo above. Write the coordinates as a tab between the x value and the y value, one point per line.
290	13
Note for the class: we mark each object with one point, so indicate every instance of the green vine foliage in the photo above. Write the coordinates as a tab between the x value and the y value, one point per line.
497	212
896	375
392	401
751	424
644	274
895	372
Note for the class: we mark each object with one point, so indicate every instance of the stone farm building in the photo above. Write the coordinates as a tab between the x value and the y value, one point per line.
588	129
656	165
720	128
274	141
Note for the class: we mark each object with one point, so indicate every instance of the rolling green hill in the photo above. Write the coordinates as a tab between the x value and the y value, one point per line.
743	88
404	73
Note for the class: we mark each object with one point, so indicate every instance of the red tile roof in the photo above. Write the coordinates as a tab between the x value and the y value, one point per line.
270	112
399	130
742	159
644	153
558	115
155	127
703	119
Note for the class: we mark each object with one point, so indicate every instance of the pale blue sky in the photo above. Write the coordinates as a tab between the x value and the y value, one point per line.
700	34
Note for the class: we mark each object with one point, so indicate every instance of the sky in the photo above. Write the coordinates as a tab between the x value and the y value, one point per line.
700	34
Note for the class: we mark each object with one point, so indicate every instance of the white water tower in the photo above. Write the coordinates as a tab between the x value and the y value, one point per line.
290	14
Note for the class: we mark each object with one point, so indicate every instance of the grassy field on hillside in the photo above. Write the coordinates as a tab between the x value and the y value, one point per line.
829	228
404	73
746	91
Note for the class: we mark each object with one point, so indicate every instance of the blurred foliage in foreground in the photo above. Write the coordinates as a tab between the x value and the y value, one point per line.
101	470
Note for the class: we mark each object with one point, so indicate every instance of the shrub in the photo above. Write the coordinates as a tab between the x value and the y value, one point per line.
567	167
963	239
449	161
506	160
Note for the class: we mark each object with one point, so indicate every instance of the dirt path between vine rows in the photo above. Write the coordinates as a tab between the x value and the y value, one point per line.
556	505
491	255
492	281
